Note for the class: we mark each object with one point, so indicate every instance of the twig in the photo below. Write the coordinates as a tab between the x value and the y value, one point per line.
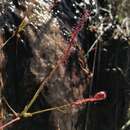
50	109
97	40
13	111
108	11
127	124
41	86
18	30
2	45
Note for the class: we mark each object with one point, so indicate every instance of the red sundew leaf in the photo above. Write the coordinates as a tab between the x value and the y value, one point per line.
98	97
74	34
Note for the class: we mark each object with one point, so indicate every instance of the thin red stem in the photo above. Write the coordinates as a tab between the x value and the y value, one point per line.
9	123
